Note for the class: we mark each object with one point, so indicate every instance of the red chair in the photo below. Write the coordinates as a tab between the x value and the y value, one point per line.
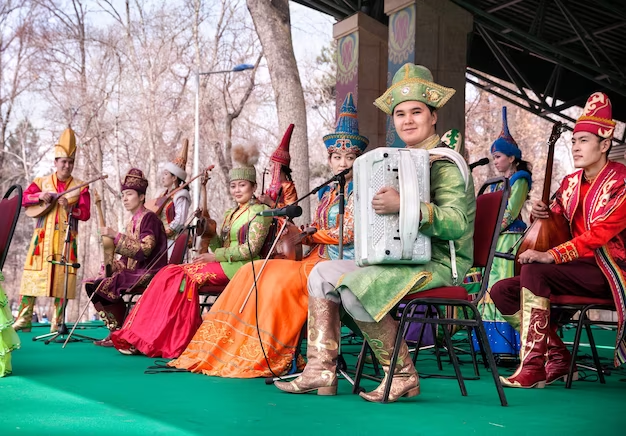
490	209
584	305
10	207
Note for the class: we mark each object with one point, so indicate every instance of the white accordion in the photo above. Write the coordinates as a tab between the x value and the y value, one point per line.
394	239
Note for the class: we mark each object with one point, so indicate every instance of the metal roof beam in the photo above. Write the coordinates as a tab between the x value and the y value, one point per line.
594	33
541	47
503	6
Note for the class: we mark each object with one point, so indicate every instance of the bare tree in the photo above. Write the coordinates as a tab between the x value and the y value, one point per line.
273	25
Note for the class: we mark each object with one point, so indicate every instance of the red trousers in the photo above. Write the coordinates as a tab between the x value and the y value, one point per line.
581	277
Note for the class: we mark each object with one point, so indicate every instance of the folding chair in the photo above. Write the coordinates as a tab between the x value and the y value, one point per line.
490	209
10	208
584	305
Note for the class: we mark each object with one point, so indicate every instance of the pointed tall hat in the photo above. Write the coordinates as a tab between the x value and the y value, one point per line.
66	145
178	165
597	116
346	136
281	154
505	143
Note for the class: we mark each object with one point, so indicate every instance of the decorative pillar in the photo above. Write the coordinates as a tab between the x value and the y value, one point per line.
362	70
433	33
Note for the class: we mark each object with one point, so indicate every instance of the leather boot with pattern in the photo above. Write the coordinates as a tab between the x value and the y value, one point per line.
113	317
24	321
534	329
381	337
559	359
320	373
514	320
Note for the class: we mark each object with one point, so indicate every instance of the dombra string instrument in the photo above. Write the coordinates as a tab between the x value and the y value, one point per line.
42	208
108	244
156	205
544	234
289	245
206	227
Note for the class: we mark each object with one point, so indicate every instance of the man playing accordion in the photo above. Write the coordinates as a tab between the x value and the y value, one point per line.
368	294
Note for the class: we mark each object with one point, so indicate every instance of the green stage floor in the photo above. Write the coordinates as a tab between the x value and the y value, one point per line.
87	390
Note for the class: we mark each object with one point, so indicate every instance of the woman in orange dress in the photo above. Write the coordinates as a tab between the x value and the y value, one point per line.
229	343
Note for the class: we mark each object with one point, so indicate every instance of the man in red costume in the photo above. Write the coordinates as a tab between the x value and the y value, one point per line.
592	263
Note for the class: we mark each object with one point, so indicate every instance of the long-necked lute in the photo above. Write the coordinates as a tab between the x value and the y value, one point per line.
156	205
544	234
42	208
108	244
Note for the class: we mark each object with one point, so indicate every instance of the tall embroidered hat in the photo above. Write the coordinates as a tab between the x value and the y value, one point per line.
66	145
246	157
135	180
413	83
346	136
281	154
178	165
505	143
597	117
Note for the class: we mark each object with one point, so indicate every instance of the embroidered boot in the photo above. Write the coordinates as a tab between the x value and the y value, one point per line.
320	373
113	317
381	337
514	320
559	359
24	321
534	329
56	315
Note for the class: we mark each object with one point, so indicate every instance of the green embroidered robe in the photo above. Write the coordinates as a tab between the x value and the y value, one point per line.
231	245
448	217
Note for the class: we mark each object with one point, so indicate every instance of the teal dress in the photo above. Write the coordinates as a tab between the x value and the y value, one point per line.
503	339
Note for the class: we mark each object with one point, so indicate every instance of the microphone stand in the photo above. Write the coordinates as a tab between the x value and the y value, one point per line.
342	366
62	329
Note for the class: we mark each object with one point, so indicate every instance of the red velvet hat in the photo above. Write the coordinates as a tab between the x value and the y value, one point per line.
597	117
135	180
281	154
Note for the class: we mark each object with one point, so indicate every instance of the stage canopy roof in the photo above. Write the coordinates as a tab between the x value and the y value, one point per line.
552	53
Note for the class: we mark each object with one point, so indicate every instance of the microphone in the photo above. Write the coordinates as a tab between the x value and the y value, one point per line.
291	211
479	163
73	265
342	174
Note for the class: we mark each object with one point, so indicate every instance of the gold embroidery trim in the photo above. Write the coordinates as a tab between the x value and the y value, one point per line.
565	252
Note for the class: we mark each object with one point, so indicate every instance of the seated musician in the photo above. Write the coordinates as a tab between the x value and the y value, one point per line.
167	315
507	158
592	263
282	190
227	344
174	213
143	252
368	294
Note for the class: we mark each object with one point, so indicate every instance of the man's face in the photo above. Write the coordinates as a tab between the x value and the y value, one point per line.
64	167
414	122
588	149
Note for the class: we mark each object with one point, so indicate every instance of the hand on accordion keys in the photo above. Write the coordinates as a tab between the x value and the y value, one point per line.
386	201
